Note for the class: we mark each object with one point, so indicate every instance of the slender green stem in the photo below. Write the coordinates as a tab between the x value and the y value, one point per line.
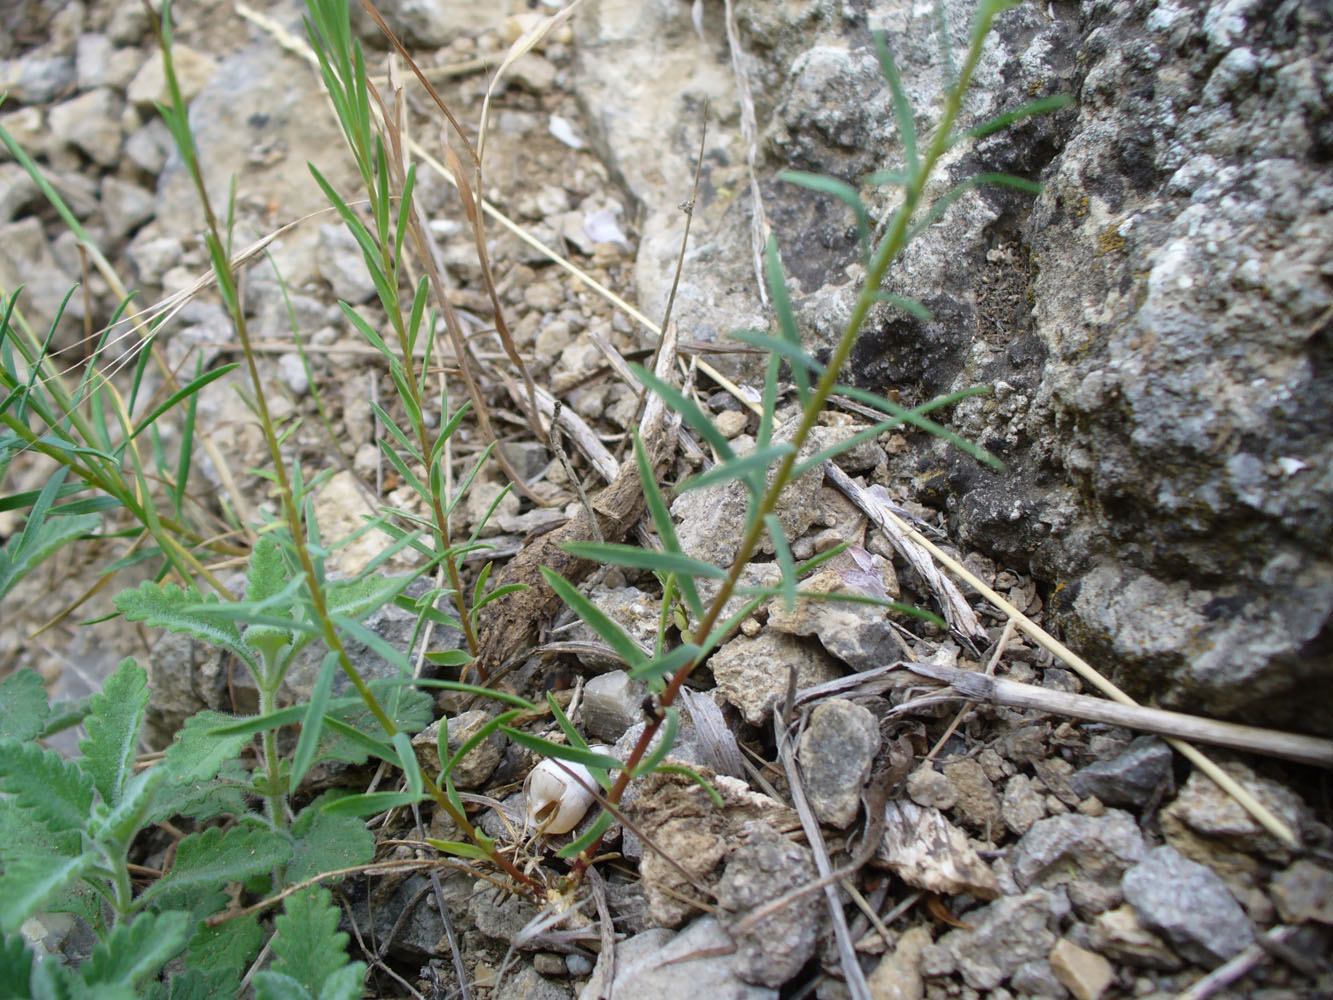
275	800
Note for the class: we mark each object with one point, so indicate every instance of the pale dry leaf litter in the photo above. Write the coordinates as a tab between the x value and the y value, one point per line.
1155	326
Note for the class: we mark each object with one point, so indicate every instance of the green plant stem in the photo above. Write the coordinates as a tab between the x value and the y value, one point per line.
275	800
894	241
123	902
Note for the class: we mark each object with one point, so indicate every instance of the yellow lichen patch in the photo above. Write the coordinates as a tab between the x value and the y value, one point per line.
1109	240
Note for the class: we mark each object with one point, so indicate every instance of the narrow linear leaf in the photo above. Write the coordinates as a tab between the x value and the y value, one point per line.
697	778
841	190
793	353
505	697
370	803
313	722
450	761
667	664
560	751
910	306
665	744
785	561
367	745
185	392
597	619
741	468
373	641
1040	106
781	298
459	849
916	417
562	720
639	558
661	517
902	108
688	409
594	834
407	762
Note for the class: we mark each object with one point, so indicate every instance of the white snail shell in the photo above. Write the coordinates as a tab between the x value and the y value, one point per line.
558	795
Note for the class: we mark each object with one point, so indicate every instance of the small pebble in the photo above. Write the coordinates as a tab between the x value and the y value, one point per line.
732	422
549	964
578	965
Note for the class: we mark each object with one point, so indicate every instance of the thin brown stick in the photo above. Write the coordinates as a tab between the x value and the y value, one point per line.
998	691
851	968
1240	965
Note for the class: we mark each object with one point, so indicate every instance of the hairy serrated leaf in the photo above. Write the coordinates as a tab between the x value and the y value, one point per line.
357	598
265	579
204	799
15	966
23	705
167	606
197	753
119	823
308	944
324	842
25	552
228	947
132	952
54	791
193	984
271	985
215	857
345	983
20	835
53	981
265	575
30	881
113	729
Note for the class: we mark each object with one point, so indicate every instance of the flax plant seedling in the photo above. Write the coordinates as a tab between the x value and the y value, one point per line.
773	465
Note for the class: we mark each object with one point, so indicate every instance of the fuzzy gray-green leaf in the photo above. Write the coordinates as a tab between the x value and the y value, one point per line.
308	945
25	552
133	952
205	861
113	729
167	606
29	882
23	705
54	791
325	842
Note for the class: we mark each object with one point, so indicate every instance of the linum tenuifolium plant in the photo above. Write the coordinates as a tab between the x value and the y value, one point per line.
67	827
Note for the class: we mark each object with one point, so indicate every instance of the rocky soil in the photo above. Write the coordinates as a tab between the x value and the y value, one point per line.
1158	327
